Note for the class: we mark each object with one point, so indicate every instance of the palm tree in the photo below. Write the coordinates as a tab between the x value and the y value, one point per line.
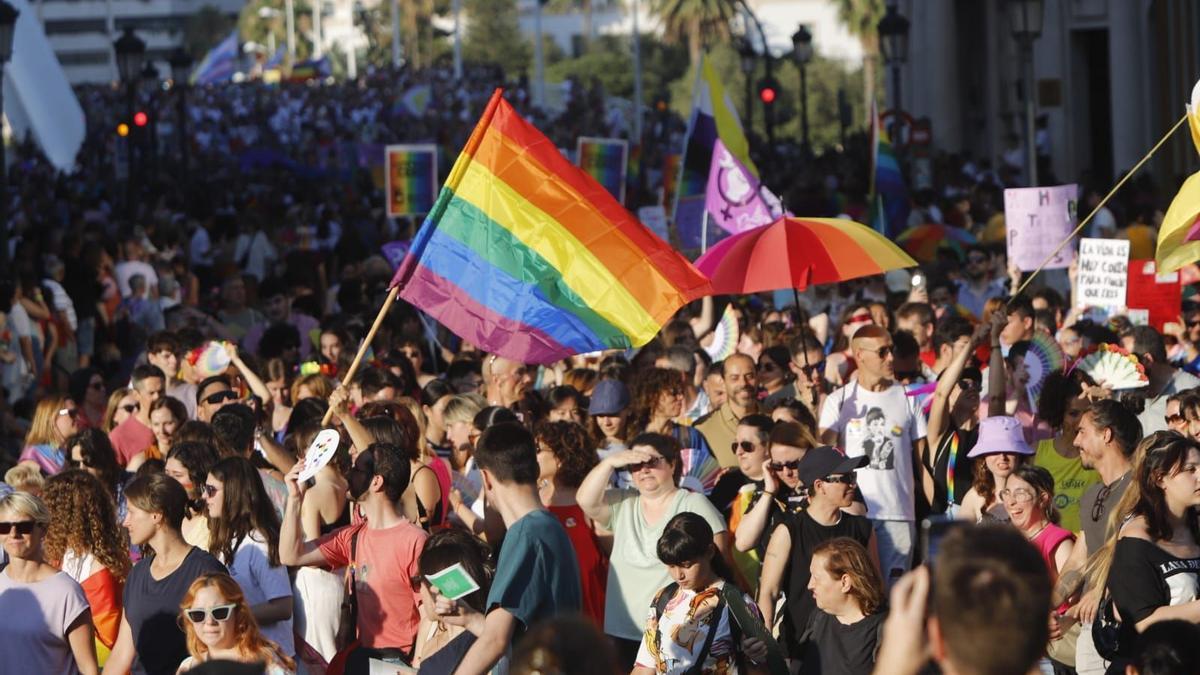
861	18
694	20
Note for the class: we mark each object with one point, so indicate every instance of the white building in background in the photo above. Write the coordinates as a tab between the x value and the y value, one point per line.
780	18
81	32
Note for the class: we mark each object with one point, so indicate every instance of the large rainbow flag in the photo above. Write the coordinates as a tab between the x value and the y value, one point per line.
528	257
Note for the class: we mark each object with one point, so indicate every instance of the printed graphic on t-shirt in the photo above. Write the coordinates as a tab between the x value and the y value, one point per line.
877	436
1182	578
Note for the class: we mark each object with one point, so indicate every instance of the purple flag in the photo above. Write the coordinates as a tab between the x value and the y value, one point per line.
735	199
395	251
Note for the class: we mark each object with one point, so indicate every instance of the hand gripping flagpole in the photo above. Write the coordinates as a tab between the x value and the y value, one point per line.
365	345
1083	223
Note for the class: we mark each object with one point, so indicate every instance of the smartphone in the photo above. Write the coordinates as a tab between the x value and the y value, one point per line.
918	281
933	531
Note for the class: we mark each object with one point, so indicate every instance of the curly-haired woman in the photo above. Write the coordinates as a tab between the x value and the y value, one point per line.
565	456
85	541
91	451
657	403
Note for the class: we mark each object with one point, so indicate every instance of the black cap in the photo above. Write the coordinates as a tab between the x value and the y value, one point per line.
820	463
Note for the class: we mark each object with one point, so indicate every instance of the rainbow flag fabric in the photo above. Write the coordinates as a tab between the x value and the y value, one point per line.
890	207
604	159
525	255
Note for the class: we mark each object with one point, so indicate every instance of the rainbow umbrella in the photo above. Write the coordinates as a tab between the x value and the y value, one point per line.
798	252
924	241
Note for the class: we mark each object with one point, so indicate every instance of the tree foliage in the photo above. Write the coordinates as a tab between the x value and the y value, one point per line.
611	63
494	36
698	22
204	29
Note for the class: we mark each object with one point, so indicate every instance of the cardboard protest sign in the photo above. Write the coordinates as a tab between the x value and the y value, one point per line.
1160	295
1103	273
411	172
1038	219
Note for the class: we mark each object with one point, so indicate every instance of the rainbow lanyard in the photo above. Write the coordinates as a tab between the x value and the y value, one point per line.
950	467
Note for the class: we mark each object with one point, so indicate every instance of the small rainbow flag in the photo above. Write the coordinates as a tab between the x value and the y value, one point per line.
411	179
525	255
604	159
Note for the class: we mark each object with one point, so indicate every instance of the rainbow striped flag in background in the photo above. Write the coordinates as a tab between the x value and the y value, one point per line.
411	179
889	196
527	256
606	161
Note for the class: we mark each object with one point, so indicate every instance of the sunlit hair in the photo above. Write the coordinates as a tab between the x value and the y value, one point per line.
25	505
844	557
251	644
42	430
159	493
648	389
318	384
245	510
418	415
403	416
83	519
114	404
568	442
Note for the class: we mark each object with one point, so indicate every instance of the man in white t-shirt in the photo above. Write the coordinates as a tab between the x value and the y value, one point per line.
135	264
873	416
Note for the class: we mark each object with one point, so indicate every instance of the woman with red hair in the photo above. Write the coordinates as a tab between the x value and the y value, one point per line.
220	627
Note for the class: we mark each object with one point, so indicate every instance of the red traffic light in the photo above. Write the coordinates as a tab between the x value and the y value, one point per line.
140	119
767	94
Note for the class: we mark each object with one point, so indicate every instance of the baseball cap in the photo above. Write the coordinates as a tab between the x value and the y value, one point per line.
824	461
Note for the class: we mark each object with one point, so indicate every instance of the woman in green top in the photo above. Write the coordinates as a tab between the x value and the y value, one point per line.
637	517
1061	405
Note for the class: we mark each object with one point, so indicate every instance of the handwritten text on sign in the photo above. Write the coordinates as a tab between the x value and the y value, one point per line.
1103	273
1038	219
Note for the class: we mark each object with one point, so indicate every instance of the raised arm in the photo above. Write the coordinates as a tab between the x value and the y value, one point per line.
997	382
294	549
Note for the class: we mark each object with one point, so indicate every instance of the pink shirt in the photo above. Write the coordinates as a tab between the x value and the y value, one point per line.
385	562
1047	541
129	438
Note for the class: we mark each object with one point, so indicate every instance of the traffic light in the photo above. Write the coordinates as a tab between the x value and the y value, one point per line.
768	91
140	119
122	130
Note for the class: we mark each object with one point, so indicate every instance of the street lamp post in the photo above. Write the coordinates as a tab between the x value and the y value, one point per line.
893	40
130	52
181	69
1025	19
150	131
748	58
802	52
8	24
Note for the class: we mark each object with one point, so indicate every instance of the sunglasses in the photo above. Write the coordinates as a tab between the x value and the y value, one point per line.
23	527
219	613
845	479
744	446
68	411
966	384
793	465
1193	324
651	463
812	370
227	395
210	490
76	463
130	408
1098	505
883	352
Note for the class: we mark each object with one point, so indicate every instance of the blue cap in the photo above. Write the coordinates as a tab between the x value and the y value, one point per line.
609	397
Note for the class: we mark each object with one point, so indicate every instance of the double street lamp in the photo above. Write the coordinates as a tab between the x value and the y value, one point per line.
131	52
893	41
8	25
802	52
1025	19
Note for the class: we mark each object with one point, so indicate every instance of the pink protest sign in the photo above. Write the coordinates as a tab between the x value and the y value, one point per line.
1038	219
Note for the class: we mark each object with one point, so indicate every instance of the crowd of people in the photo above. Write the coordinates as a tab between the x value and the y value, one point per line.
866	484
